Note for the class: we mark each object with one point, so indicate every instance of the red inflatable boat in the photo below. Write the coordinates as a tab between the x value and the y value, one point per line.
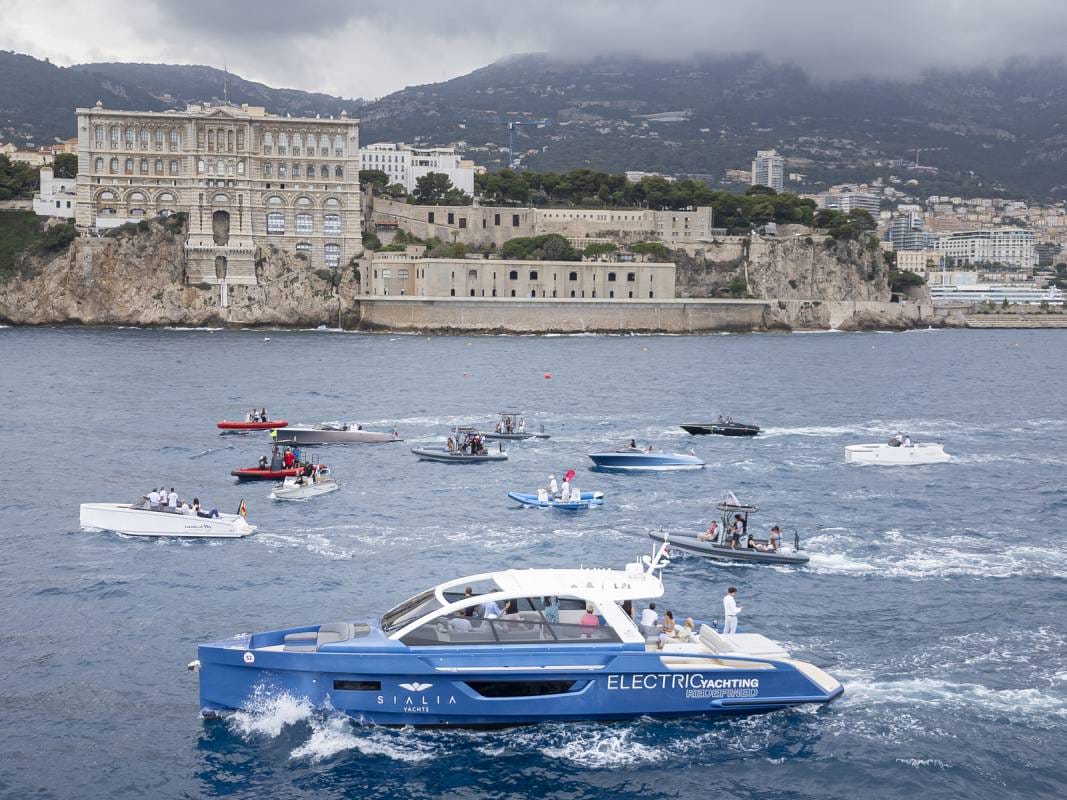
271	424
257	474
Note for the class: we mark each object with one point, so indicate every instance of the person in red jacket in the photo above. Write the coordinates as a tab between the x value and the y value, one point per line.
289	458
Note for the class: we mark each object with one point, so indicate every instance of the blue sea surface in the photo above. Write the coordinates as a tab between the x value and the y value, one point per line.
936	594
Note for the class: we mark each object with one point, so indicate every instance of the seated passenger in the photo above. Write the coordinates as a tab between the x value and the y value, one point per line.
897	440
668	630
752	544
589	618
649	617
628	608
490	610
460	624
711	534
551	609
542	495
689	630
263	462
633	444
213	514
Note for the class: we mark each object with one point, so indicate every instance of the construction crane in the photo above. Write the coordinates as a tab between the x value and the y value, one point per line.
925	150
512	125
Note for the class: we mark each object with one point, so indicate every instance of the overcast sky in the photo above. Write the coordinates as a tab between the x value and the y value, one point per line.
368	48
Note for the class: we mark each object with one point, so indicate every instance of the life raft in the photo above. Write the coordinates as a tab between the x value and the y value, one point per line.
257	474
270	424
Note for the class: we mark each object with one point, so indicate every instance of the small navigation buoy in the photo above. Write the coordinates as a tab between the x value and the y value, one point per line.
548	376
266	338
644	348
464	374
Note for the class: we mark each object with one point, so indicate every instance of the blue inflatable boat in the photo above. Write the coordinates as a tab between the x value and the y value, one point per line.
588	500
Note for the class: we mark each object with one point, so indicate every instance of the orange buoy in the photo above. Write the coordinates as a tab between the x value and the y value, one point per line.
548	375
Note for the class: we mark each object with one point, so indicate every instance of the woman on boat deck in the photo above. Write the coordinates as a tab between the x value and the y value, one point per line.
711	534
589	619
551	609
775	539
668	630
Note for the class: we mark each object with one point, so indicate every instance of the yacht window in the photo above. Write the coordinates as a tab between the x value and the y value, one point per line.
409	611
519	688
530	628
357	686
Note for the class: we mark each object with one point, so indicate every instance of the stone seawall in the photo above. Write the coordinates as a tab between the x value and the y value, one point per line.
525	315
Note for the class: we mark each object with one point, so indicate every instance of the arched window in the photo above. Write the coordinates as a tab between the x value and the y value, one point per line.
266	170
129	166
611	277
296	170
200	166
573	276
144	138
175	138
303	247
338	145
211	167
332	254
220	199
324	172
128	137
339	172
107	194
311	144
513	275
144	166
99	135
283	143
114	136
331	224
159	166
331	202
268	142
211	141
631	277
281	169
303	222
173	167
241	168
114	166
229	141
166	198
274	200
136	204
298	143
240	139
98	165
275	222
159	138
472	274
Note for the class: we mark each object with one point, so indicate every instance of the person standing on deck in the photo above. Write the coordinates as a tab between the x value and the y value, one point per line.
730	610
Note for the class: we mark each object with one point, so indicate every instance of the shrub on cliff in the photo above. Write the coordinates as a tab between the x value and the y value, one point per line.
371	241
658	251
547	247
23	234
902	280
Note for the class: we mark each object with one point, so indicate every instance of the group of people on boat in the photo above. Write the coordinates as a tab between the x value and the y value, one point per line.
511	424
162	500
312	473
633	446
287	459
472	444
738	530
900	440
555	491
665	631
257	416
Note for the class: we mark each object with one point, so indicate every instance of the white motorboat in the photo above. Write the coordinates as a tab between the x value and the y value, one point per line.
302	488
894	455
137	519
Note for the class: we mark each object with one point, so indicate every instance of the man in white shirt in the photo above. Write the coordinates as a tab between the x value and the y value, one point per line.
490	610
553	487
153	500
649	617
172	500
730	611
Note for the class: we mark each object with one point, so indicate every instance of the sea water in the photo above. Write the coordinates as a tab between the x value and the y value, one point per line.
935	593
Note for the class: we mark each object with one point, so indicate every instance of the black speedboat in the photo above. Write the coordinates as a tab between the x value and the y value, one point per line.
723	426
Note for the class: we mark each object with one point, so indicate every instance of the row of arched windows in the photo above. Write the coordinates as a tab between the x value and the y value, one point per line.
221	140
305	224
145	136
132	166
302	144
298	171
220	167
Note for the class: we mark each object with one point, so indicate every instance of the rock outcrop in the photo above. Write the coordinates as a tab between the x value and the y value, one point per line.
138	278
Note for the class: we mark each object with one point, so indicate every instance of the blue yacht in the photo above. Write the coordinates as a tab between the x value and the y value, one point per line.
513	647
637	459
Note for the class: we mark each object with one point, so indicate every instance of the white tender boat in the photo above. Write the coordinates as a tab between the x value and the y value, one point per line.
135	519
301	488
893	455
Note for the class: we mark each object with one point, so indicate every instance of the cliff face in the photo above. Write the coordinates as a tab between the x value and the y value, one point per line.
138	279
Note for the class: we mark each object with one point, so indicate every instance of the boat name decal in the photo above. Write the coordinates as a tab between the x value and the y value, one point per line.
694	684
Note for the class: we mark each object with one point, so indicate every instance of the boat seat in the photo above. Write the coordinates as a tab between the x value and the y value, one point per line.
311	641
713	641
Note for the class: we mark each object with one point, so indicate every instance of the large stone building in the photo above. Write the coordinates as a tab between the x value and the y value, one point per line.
408	273
478	225
245	178
1011	247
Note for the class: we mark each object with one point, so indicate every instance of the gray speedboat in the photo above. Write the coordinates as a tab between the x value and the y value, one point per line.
733	542
466	445
332	433
512	427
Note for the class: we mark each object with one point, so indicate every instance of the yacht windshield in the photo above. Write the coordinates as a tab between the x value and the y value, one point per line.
409	611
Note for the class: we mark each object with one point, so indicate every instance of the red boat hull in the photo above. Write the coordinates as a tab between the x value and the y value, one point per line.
270	424
257	474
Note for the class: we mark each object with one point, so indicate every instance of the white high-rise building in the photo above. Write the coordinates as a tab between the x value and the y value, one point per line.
405	164
1012	247
847	201
768	169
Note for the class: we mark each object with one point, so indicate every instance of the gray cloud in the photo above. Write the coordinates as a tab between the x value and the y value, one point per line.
369	49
